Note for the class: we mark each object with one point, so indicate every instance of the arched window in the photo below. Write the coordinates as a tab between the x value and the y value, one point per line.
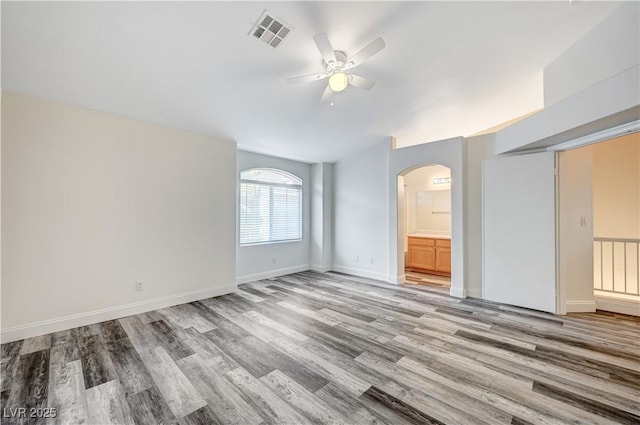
270	206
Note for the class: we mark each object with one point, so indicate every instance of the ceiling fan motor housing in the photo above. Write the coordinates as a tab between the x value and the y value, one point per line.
339	65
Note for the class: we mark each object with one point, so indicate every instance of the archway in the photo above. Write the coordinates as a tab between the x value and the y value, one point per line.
449	153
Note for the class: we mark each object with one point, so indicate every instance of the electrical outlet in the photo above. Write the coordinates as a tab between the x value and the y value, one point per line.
139	286
371	260
358	259
273	260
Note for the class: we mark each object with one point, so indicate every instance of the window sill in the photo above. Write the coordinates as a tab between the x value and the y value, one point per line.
269	242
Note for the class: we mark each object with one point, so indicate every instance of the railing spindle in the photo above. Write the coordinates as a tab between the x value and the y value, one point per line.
625	242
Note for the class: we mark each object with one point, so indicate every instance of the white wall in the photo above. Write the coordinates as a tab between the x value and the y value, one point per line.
616	187
321	217
610	48
479	148
575	225
92	203
361	213
256	262
421	180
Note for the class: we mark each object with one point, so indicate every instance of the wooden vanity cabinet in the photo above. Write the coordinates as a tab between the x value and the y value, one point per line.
430	255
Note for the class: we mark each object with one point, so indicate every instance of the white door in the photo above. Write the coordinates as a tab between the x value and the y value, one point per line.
519	231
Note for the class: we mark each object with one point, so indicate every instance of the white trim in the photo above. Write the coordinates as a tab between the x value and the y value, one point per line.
271	273
474	293
360	272
585	306
599	136
458	292
618	305
321	268
396	280
55	325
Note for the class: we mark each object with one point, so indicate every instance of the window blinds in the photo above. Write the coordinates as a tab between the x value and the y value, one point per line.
270	212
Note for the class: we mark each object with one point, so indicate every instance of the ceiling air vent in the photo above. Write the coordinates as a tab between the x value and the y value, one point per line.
270	29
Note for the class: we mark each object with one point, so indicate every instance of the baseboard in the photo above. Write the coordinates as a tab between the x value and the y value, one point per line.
55	325
458	292
474	293
585	306
397	280
271	273
321	268
360	272
617	305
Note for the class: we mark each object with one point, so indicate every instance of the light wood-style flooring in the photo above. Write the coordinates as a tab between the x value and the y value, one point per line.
326	348
432	280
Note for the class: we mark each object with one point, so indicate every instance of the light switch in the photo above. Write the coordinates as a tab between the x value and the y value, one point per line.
583	221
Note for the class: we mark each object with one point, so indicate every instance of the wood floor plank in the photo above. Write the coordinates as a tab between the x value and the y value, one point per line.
351	407
97	367
230	407
169	340
37	343
279	327
67	340
112	331
399	407
202	416
149	407
249	296
186	316
106	405
179	393
301	399
30	385
272	408
208	351
66	389
130	370
9	362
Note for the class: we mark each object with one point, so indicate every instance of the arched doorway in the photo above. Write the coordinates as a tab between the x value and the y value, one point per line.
448	153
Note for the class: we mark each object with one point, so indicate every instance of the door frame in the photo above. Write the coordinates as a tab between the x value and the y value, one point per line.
589	139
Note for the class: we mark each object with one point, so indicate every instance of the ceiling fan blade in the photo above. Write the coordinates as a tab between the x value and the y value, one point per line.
326	94
306	78
324	46
361	82
367	51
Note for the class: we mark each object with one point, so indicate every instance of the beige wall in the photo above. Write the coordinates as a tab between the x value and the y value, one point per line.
580	67
616	187
92	203
421	180
479	148
576	228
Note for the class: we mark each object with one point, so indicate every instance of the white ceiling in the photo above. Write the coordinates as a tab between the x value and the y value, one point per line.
449	68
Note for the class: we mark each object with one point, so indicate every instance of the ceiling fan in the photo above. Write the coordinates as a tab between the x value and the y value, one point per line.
337	67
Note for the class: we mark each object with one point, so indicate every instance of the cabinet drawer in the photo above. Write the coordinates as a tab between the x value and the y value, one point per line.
443	242
421	241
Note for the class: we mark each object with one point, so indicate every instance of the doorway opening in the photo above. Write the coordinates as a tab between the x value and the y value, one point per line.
600	225
426	225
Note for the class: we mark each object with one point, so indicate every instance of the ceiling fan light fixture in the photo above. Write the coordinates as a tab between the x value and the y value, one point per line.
338	81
